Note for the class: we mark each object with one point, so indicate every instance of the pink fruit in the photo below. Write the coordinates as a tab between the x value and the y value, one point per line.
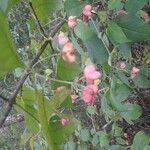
64	121
89	92
87	11
62	38
122	66
72	21
133	73
91	74
68	47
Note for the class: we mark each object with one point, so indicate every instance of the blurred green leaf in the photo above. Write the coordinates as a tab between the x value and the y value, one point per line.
114	4
56	101
95	140
132	6
142	80
73	7
106	107
8	57
130	111
59	132
141	140
25	137
134	28
76	45
124	51
30	115
67	71
115	33
116	130
147	147
45	8
103	15
121	75
31	118
44	120
27	95
104	138
119	92
70	146
85	135
91	110
67	102
116	147
5	5
95	47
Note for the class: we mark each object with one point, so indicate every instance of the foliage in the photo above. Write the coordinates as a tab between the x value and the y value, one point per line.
99	37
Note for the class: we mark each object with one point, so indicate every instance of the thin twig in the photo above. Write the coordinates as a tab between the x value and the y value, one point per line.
39	24
37	20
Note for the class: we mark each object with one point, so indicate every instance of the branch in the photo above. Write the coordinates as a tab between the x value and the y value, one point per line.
7	101
38	21
39	24
21	82
12	119
26	74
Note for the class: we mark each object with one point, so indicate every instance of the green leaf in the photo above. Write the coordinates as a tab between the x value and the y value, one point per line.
119	92
116	34
95	47
73	7
5	5
70	146
95	140
26	103
76	45
45	8
27	95
116	130
147	147
85	135
121	75
56	101
116	147
104	138
114	4
103	15
59	132
130	111
30	115
8	57
67	103
142	80
134	28
82	146
31	118
132	6
106	108
44	119
141	140
124	51
25	137
67	71
91	110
